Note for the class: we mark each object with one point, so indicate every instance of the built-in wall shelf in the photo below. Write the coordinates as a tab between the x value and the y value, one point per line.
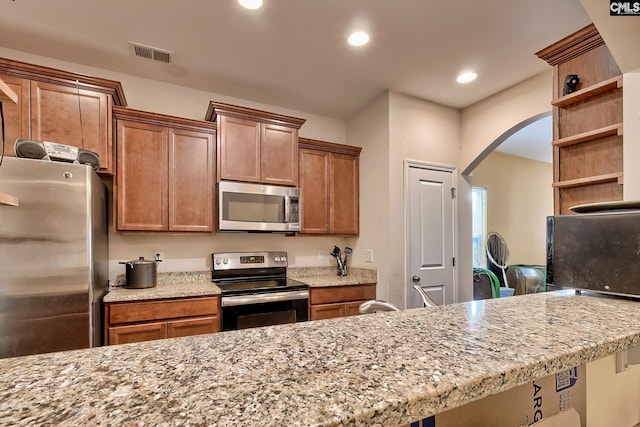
589	136
588	92
598	179
587	162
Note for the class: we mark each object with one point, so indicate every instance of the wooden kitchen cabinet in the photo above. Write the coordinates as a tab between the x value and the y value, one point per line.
587	123
73	116
255	146
62	107
136	333
338	301
329	182
165	169
16	116
327	311
127	322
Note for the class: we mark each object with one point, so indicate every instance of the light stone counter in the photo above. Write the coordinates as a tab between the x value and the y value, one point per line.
380	369
170	285
326	276
190	284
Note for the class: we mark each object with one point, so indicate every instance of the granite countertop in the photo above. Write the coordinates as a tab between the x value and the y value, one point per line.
326	276
169	285
191	284
379	369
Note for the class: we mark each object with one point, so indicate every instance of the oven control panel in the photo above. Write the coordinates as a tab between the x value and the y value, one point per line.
242	260
252	259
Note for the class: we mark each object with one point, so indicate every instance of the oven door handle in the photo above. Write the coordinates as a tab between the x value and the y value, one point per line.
263	298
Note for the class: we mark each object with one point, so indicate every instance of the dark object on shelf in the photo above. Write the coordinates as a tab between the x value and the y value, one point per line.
570	83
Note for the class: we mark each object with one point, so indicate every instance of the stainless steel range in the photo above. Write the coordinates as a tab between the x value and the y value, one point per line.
255	290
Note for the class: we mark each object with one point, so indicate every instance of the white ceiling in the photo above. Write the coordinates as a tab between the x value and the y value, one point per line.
532	141
293	54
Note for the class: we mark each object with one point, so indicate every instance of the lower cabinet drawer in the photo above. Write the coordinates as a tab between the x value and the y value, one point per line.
331	311
333	294
353	308
128	322
327	311
166	309
188	327
137	333
339	301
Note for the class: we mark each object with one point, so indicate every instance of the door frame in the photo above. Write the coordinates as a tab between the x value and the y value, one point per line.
408	164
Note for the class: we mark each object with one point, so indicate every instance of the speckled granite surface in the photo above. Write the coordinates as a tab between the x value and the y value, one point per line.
188	284
380	369
326	276
170	285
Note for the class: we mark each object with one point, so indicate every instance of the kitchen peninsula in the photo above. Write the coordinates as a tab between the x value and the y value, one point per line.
381	369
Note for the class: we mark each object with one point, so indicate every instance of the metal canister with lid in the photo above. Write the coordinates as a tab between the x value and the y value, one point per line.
141	273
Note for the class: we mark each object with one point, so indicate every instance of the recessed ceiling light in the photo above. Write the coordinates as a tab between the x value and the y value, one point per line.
251	4
359	38
467	77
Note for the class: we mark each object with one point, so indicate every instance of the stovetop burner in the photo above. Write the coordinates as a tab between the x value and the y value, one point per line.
247	273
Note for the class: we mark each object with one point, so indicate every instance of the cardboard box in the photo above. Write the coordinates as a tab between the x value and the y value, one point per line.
522	405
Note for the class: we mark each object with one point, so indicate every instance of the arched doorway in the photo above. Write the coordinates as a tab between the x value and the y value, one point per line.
516	176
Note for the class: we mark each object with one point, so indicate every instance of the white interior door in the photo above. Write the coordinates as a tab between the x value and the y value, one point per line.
430	235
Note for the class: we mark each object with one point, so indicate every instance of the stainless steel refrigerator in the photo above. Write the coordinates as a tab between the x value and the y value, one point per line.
53	257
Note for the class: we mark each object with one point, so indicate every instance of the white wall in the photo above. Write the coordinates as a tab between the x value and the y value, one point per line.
369	129
422	131
631	138
392	129
519	199
484	122
192	252
164	98
482	125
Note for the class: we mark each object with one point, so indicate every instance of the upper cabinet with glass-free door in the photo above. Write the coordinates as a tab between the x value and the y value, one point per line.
62	107
255	146
165	169
330	188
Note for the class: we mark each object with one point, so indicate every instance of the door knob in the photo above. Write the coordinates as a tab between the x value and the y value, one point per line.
415	278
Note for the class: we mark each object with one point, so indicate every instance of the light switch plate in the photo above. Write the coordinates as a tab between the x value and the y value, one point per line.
368	255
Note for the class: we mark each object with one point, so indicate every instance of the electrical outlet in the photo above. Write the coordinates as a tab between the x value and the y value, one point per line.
321	254
158	256
368	255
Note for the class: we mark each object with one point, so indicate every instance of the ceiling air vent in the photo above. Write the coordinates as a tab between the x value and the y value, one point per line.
149	52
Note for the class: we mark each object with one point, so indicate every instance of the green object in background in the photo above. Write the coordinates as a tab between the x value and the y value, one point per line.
495	283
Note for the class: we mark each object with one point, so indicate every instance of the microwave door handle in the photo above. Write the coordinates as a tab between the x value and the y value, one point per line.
287	206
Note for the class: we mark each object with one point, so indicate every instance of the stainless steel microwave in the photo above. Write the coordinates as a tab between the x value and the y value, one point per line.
258	207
